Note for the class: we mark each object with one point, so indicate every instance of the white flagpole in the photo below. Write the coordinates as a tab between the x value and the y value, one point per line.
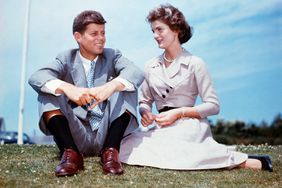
23	72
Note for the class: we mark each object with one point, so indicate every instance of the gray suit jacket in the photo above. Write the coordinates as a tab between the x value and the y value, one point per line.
68	67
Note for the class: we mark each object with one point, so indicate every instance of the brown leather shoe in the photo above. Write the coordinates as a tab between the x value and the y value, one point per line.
110	162
71	163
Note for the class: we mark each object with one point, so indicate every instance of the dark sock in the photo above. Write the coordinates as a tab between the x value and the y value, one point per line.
59	127
116	131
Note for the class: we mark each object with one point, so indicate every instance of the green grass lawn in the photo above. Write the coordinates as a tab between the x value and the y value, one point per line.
33	166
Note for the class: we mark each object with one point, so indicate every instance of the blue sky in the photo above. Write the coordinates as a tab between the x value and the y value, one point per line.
240	41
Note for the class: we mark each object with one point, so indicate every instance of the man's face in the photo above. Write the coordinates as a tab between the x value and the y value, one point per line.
92	41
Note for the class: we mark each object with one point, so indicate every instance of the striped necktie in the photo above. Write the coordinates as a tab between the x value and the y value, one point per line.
96	114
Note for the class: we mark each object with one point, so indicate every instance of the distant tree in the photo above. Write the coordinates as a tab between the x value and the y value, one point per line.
276	129
2	124
252	130
263	124
277	122
219	127
238	132
239	126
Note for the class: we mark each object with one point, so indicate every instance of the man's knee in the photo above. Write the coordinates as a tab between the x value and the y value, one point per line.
49	114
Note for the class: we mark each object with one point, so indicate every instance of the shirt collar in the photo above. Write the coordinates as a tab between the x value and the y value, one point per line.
181	59
87	61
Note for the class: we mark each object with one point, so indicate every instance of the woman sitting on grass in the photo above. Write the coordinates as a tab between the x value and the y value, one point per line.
181	138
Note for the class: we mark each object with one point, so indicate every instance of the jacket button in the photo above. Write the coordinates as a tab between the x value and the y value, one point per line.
167	90
163	96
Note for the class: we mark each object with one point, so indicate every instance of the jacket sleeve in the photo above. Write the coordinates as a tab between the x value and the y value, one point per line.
127	70
210	103
146	98
52	71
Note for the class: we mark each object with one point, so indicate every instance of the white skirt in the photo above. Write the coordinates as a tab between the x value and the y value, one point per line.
185	145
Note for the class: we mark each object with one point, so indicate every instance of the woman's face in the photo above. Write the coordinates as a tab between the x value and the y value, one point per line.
164	36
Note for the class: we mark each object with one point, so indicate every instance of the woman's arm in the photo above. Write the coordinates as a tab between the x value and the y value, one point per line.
145	104
210	103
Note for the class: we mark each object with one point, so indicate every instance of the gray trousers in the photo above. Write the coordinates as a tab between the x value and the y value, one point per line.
90	142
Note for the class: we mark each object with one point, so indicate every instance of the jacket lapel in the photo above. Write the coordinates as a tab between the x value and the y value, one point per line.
100	75
78	73
173	69
158	71
175	74
79	79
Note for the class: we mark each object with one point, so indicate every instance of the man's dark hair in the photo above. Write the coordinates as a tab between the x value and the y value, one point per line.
85	18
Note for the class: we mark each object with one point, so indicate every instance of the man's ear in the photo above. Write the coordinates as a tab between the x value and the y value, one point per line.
77	36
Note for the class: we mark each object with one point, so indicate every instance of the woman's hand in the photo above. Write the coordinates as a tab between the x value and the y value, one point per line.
147	118
167	118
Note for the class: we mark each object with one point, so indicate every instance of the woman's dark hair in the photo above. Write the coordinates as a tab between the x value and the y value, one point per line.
174	19
87	17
